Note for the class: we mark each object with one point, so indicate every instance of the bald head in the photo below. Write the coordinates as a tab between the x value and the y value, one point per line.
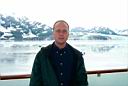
61	24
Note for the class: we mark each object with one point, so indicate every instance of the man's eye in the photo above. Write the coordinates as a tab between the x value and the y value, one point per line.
63	31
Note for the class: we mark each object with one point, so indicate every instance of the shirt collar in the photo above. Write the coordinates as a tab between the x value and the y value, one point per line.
58	49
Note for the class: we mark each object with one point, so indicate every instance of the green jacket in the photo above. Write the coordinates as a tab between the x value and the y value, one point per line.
43	73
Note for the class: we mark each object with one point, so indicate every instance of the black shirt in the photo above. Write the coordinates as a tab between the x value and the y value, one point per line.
62	61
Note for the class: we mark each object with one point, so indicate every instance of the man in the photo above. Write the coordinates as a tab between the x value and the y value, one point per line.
59	64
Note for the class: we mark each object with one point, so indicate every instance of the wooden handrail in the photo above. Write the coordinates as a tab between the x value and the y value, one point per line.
24	76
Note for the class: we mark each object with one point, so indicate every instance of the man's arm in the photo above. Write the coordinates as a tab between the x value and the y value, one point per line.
36	77
81	75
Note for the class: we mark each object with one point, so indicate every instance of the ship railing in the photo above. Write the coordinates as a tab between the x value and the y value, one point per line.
97	72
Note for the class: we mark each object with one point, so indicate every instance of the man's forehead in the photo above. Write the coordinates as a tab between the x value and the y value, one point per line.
61	24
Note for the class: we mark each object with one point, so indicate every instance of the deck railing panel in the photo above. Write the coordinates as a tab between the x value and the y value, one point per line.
98	72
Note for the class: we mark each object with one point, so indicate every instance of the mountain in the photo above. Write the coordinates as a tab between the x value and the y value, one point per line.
78	29
123	32
102	30
12	28
96	33
22	29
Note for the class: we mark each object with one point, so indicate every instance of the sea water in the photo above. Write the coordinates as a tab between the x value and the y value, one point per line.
16	57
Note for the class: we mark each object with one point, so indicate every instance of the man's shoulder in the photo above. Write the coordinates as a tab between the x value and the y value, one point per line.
46	48
44	51
76	51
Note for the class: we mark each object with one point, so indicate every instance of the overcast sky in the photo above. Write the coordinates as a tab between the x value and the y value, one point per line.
83	13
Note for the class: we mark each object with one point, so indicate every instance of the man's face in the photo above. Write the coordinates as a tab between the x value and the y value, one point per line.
61	32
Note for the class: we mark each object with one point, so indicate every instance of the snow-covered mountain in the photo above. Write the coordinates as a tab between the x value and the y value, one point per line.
97	33
123	32
102	30
12	28
75	34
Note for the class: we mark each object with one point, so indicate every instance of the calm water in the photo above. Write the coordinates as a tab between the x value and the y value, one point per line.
18	57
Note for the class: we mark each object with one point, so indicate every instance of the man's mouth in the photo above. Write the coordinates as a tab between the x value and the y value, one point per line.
61	38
